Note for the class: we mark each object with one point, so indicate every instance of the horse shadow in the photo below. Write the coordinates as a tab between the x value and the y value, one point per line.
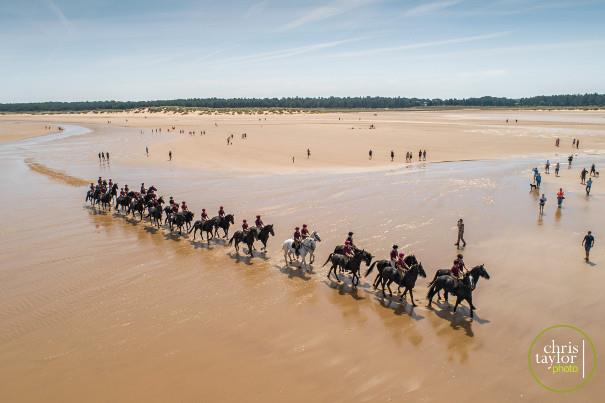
400	308
293	272
151	230
246	259
459	319
94	211
199	244
173	236
344	288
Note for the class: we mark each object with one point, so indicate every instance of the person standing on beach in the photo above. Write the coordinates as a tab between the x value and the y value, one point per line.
424	155
538	180
593	170
573	143
560	197
588	186
99	157
293	159
460	226
542	203
577	144
569	160
308	153
107	156
583	176
170	155
147	150
392	155
370	154
419	155
557	166
547	167
588	243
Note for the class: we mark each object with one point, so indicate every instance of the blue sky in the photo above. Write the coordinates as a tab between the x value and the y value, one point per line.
157	49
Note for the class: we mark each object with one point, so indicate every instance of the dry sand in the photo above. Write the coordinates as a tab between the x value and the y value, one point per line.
98	307
11	131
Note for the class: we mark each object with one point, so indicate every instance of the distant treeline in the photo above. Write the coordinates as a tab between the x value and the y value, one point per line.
576	100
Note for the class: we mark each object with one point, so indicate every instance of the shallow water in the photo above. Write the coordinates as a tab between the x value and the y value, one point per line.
98	307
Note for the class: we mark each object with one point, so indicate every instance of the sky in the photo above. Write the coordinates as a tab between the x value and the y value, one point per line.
75	50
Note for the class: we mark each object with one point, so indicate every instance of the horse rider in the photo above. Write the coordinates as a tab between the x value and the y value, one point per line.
401	265
297	239
245	227
175	208
350	240
171	201
92	187
393	256
99	181
110	183
204	215
221	212
304	232
122	193
184	206
259	222
126	190
348	249
458	267
143	191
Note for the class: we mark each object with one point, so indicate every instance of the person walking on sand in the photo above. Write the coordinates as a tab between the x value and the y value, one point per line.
557	166
542	203
147	151
99	157
577	143
170	155
583	176
308	153
588	243
107	156
573	143
419	155
593	170
424	155
370	154
392	155
538	180
588	186
547	167
569	160
557	142
560	197
460	226
293	159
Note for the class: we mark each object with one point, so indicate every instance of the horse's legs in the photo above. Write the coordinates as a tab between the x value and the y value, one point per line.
458	299
389	281
411	296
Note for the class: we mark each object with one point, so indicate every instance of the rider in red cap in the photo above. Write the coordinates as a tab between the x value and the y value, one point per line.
297	238
305	231
347	250
221	212
401	266
184	206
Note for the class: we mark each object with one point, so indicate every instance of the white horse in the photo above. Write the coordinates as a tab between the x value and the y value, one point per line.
307	247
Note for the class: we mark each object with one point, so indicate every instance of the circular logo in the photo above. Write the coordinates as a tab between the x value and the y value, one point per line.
562	358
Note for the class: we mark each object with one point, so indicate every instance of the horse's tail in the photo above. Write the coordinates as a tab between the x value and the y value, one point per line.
191	229
329	257
434	279
231	240
370	269
431	291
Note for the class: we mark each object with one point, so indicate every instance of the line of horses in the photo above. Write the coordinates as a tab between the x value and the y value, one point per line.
134	203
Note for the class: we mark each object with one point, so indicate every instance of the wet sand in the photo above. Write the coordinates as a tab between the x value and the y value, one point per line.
98	307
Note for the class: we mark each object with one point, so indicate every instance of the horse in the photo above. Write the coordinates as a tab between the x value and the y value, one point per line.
263	235
180	219
351	264
113	191
203	226
155	212
408	279
224	223
248	238
462	289
409	260
136	205
476	273
307	246
105	200
123	202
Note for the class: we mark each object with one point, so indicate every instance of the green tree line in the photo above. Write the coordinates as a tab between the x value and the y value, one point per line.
569	100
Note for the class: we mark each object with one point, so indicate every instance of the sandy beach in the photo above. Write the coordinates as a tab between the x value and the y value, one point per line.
98	307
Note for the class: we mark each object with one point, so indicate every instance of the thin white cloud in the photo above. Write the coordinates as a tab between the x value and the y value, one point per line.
430	8
326	11
421	45
283	53
60	15
256	8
